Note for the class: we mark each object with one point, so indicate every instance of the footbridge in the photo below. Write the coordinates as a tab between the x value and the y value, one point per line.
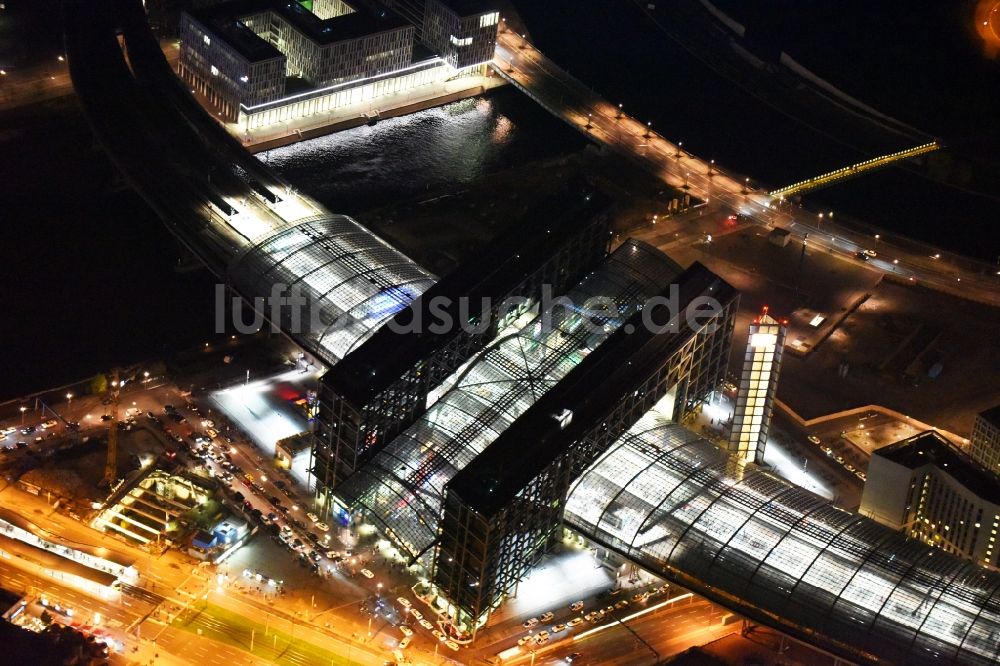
852	171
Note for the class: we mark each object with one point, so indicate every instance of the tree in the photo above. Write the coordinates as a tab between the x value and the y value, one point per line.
99	384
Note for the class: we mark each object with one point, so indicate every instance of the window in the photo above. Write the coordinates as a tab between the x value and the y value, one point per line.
486	20
465	41
215	70
207	40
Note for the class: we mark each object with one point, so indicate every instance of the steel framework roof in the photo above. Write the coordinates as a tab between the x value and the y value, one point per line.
352	281
403	486
674	502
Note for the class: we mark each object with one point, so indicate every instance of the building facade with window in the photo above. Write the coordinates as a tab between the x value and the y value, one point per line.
464	32
985	441
931	491
242	53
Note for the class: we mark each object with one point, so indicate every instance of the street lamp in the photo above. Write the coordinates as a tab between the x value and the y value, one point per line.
589	117
23	410
649	127
819	219
677	154
877	236
711	168
746	186
619	111
69	398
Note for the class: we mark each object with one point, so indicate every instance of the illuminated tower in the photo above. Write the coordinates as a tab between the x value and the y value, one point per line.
755	399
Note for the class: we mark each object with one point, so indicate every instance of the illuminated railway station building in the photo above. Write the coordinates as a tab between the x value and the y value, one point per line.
382	386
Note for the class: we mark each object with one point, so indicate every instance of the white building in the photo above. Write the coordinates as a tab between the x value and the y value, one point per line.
931	491
245	52
985	447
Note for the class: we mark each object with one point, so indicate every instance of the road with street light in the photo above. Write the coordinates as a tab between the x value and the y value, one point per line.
521	63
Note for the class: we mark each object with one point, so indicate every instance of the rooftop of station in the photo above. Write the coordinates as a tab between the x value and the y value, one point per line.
482	280
589	391
403	485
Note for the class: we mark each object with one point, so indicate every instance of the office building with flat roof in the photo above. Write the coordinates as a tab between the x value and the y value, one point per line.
931	491
240	54
382	386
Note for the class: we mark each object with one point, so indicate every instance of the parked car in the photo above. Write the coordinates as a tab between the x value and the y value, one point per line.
813	438
405	630
576	606
546	617
367	573
528	624
425	624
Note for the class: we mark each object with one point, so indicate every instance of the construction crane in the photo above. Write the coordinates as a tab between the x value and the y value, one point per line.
111	466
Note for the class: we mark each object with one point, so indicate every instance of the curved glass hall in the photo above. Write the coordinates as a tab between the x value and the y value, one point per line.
402	487
351	280
677	504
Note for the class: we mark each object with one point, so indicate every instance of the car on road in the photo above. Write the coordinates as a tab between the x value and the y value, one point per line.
591	616
621	604
438	634
827	450
425	624
850	468
404	602
452	644
542	636
576	621
51	423
559	627
546	617
574	657
528	624
839	459
367	573
417	614
403	644
323	527
524	639
27	430
406	631
813	438
861	475
7	431
576	606
313	517
639	596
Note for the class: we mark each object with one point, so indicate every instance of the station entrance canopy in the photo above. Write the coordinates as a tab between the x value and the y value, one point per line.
676	504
